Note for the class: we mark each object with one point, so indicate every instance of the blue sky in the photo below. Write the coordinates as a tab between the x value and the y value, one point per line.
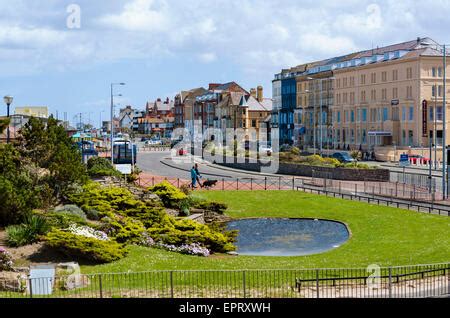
159	47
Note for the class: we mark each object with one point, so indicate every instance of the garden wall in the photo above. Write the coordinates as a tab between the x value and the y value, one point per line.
380	175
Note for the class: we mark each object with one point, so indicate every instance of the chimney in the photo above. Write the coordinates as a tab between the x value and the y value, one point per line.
260	94
253	92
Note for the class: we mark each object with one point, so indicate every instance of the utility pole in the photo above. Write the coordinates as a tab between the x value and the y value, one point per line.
444	130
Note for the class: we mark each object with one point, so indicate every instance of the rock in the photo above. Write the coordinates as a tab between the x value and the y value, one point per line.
13	282
172	212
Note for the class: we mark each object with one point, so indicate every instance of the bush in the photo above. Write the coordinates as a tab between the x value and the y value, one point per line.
6	262
71	209
100	167
92	215
169	194
28	232
63	219
181	232
211	206
89	249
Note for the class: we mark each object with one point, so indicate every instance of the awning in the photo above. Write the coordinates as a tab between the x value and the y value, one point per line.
380	133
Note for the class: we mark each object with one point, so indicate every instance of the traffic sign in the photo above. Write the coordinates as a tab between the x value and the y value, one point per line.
404	160
124	169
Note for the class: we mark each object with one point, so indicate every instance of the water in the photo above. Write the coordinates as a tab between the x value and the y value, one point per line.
287	237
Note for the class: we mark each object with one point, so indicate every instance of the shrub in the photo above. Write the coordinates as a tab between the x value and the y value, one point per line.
6	262
211	206
124	229
100	167
63	219
181	232
169	194
84	247
72	209
93	215
28	232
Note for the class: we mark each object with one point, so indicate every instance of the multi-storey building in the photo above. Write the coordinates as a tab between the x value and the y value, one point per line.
205	104
379	99
239	110
184	105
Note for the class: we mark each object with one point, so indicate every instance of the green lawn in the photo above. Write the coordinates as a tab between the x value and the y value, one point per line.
380	235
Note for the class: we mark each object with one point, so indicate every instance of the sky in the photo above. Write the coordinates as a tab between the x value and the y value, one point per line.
64	54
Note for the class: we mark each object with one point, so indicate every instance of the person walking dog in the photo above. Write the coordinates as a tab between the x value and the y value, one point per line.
199	176
194	177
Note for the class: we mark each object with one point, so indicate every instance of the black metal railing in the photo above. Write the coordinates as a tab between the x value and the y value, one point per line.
380	282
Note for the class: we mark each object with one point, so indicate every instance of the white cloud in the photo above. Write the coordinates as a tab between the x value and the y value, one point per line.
207	57
256	36
139	15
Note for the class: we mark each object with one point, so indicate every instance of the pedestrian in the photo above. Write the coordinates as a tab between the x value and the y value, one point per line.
198	175
194	177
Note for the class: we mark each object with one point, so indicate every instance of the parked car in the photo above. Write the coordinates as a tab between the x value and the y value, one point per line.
343	157
153	142
415	159
265	148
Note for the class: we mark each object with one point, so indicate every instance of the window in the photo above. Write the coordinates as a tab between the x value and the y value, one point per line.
409	92
254	123
385	114
358	115
439	113
363	79
403	138
411	113
433	72
373	78
409	72
395	75
338	83
384	94
440	71
352	81
410	138
345	98
373	94
440	90
364	136
363	96
345	82
364	115
384	77
395	93
433	91
431	113
352	98
395	113
404	113
338	116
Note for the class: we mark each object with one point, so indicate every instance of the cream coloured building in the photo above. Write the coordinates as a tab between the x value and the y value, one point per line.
373	100
380	102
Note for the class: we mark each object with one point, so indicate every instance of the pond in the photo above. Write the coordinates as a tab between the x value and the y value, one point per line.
287	237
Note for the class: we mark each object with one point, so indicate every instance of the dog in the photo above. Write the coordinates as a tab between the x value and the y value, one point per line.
208	184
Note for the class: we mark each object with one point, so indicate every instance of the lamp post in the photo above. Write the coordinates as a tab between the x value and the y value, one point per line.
112	117
8	101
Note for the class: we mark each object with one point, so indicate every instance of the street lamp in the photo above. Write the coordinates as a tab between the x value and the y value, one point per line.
8	101
112	117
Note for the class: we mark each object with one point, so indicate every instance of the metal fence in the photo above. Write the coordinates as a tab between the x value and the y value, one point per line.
411	197
392	282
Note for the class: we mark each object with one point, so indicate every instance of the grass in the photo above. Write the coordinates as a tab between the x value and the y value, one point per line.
380	235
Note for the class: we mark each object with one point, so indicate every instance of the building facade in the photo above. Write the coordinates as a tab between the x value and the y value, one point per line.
384	98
